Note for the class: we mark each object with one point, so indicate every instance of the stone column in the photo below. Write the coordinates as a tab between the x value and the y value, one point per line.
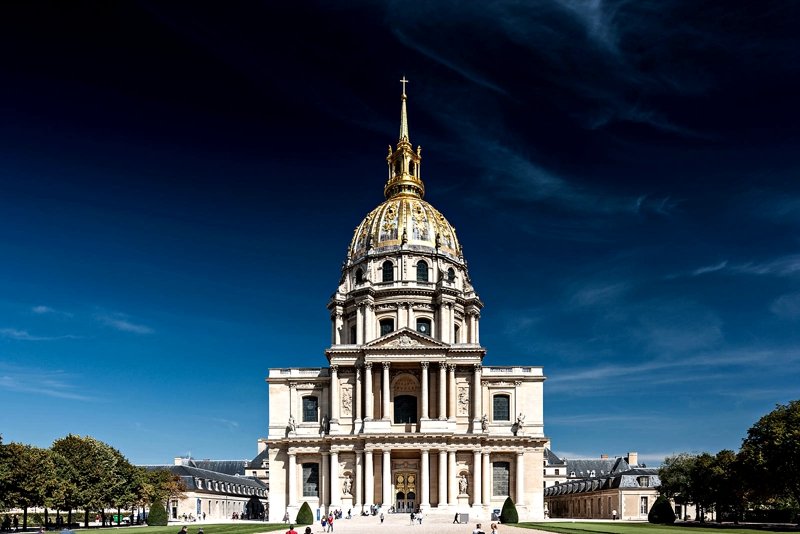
476	478
369	412
357	407
451	412
487	480
337	328
520	478
385	393
324	476
425	484
452	481
360	324
477	329
425	400
292	479
442	478
292	398
335	396
369	327
411	316
369	479
359	481
445	313
402	315
477	399
387	478
442	391
335	489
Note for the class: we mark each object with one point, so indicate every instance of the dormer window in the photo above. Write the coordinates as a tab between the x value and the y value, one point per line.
388	271
387	325
424	326
422	271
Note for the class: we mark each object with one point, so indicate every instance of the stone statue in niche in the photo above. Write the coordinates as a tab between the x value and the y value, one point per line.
484	423
516	428
463	400
462	485
347	402
347	486
292	426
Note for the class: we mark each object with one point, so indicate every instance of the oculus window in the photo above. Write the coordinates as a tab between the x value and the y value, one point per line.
501	408
388	271
405	409
310	406
310	480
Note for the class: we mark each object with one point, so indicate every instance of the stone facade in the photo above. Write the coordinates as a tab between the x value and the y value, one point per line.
406	415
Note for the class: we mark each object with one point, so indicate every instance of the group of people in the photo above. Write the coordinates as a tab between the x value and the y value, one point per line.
478	529
415	516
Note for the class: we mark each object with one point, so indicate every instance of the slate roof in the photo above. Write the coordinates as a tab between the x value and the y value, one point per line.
622	479
258	461
552	459
228	467
596	467
190	474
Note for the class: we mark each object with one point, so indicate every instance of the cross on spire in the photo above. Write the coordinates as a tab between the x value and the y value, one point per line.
404	82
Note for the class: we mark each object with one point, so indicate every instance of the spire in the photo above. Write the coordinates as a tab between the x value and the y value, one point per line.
404	174
403	114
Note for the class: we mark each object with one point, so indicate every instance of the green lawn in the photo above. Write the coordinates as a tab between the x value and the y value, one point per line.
620	527
222	528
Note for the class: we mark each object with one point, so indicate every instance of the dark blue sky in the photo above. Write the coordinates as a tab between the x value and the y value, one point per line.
179	183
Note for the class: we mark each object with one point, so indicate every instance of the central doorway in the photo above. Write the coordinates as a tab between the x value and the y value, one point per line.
405	485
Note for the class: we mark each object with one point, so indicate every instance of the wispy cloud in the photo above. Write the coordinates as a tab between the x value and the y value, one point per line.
24	335
121	322
47	310
710	268
599	294
228	423
787	306
782	266
40	381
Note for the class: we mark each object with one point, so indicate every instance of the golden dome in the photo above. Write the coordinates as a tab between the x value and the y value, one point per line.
406	222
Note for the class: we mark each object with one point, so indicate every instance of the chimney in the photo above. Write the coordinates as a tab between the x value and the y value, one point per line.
633	459
179	460
604	457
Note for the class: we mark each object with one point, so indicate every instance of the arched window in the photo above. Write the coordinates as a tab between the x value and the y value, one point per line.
310	480
424	326
405	409
501	408
388	271
451	275
411	167
359	276
456	339
422	271
387	325
310	407
398	167
353	335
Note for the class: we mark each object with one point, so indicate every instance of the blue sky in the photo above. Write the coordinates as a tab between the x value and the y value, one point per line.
178	187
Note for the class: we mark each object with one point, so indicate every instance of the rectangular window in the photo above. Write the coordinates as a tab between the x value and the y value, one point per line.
310	405
310	480
387	325
501	408
643	506
557	471
500	472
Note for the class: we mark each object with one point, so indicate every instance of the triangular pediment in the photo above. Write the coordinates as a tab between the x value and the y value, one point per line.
405	338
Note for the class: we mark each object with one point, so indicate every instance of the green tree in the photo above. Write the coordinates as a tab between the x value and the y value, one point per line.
160	485
157	516
730	495
93	469
675	475
509	515
661	512
29	476
702	484
304	515
771	452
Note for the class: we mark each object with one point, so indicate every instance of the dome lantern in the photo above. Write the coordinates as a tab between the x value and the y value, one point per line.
404	163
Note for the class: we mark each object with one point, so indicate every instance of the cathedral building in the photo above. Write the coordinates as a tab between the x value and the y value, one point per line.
406	416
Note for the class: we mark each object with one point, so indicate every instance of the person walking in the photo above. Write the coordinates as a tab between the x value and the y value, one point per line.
381	518
478	529
291	530
494	528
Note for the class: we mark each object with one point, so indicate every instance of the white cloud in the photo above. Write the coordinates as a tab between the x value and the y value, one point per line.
710	268
121	322
24	335
47	382
787	306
